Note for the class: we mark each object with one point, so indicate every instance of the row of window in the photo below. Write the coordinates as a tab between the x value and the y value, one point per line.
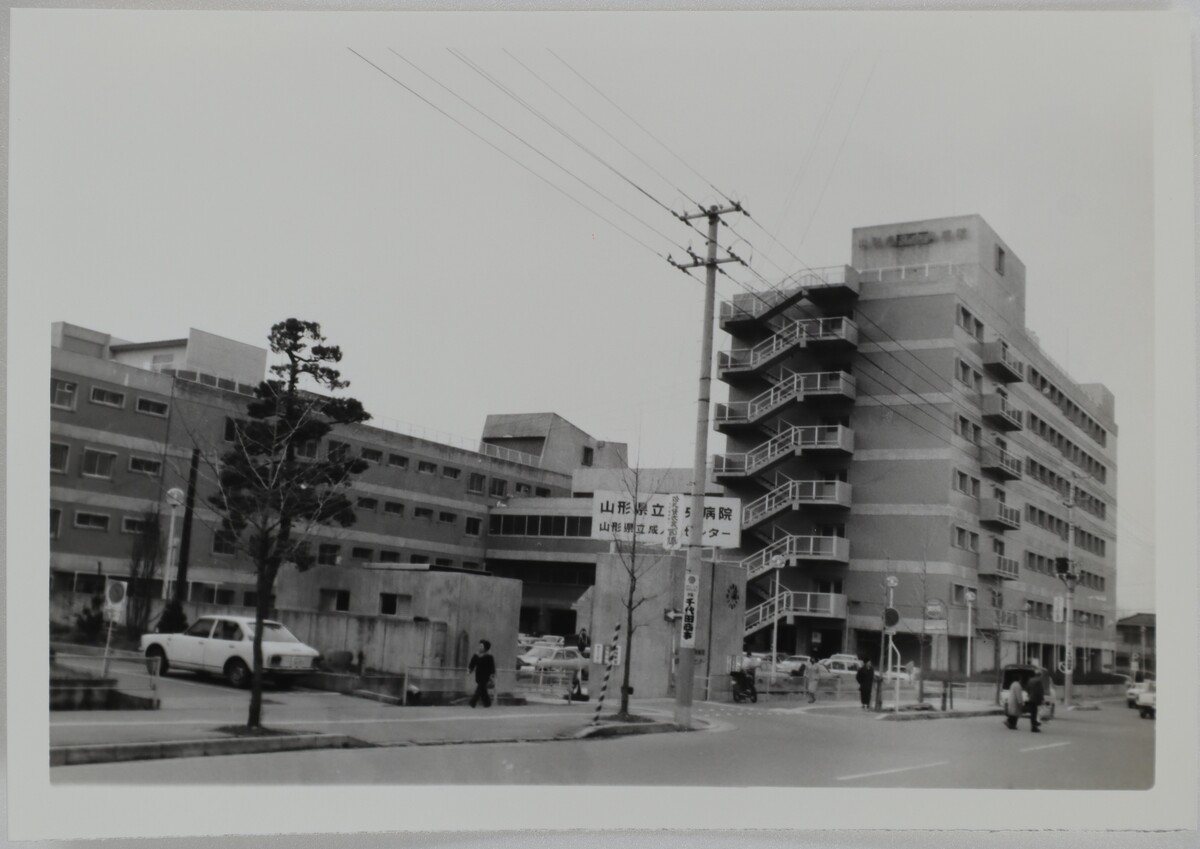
1046	520
544	526
1062	485
1067	448
64	393
1069	408
968	375
330	554
95	463
390	604
968	322
473	525
89	583
91	520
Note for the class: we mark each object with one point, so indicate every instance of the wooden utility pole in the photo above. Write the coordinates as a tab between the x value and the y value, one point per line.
691	578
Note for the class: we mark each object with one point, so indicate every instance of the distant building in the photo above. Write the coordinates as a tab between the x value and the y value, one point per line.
1136	641
894	418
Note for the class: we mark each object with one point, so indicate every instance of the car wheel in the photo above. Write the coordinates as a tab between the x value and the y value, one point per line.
754	698
156	653
237	673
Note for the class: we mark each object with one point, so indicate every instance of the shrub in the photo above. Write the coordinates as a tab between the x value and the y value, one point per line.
172	620
89	622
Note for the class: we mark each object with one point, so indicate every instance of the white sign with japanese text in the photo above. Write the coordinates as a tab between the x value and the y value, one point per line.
691	597
665	520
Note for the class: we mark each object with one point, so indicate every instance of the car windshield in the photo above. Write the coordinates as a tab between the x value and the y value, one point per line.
273	632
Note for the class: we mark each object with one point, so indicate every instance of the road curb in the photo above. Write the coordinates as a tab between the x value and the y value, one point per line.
950	714
115	752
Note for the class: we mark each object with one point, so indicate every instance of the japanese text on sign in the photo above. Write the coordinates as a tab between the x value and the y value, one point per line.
665	520
691	592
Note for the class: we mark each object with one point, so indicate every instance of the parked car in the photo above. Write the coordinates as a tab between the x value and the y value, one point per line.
797	664
1023	672
1135	690
224	645
765	662
1147	702
841	665
545	656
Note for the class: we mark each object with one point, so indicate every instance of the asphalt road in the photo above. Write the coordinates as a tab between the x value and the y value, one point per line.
755	745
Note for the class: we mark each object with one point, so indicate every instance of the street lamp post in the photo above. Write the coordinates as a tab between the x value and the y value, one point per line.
175	497
970	598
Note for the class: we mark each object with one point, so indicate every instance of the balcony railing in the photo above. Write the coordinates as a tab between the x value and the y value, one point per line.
993	511
793	494
790	441
999	566
1002	414
1000	463
796	387
759	305
1005	620
794	548
799	333
999	360
790	603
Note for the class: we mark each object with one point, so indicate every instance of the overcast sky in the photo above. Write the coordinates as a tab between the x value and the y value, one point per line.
225	171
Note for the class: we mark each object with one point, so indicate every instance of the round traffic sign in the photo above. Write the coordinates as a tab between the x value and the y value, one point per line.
115	592
891	616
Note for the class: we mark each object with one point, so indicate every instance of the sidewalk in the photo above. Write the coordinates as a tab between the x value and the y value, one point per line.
99	737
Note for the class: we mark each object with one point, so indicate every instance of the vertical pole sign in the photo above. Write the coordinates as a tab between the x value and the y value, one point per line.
114	611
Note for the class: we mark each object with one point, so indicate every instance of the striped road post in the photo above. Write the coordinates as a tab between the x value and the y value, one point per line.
608	665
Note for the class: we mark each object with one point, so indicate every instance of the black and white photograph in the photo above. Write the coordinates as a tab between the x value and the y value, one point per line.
528	420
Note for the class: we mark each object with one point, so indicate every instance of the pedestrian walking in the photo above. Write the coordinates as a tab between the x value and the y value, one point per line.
582	642
484	666
1014	705
1035	694
812	680
866	679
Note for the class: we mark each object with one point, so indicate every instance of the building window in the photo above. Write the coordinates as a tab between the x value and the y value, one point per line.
589	456
337	451
395	604
451	472
423	513
970	323
999	260
959	592
144	466
542	492
307	450
91	521
499	488
107	397
389	557
969	431
524	489
398	460
418	558
361	553
150	407
372	455
965	539
470	564
475	482
224	542
58	456
62	393
393	508
327	554
968	376
231	430
426	468
371	504
447	518
333	601
474	526
133	525
55	522
443	561
98	464
966	484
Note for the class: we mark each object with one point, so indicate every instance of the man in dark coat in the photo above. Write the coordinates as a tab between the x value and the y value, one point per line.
866	679
1035	694
484	667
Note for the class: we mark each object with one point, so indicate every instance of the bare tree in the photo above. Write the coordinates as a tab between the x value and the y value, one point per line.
143	567
628	548
273	488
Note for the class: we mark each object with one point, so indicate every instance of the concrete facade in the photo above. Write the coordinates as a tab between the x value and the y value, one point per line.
960	442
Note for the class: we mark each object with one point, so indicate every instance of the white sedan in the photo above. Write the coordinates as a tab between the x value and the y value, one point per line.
225	645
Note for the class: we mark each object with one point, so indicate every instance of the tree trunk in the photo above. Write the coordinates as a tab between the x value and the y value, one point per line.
254	720
628	646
